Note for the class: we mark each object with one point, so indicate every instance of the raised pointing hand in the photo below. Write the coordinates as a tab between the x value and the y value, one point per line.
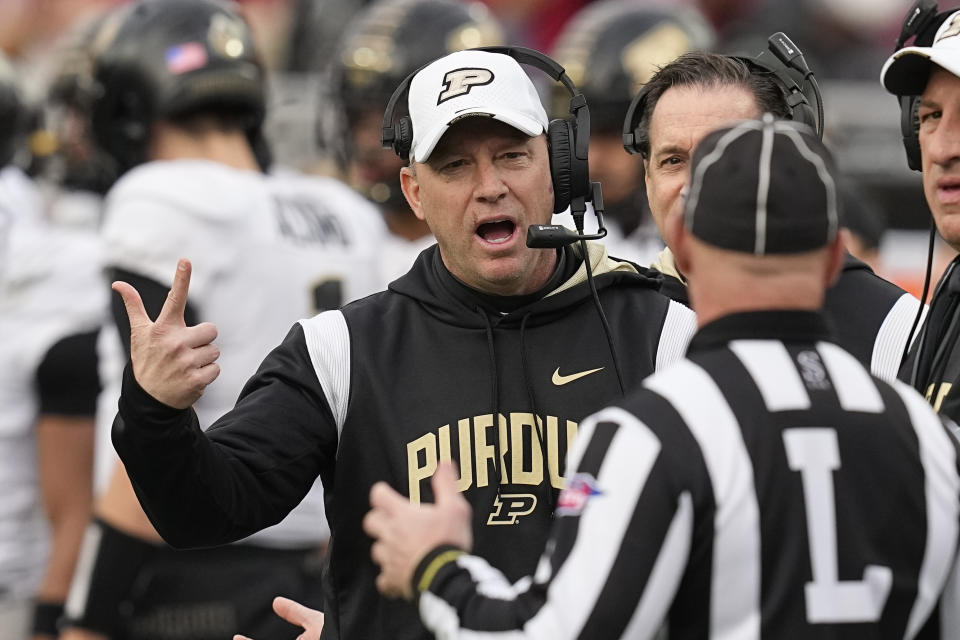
172	362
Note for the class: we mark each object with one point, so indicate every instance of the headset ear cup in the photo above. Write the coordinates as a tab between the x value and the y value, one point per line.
631	123
559	139
910	130
404	139
803	113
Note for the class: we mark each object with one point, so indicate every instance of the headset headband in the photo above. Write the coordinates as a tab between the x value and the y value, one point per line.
523	55
780	58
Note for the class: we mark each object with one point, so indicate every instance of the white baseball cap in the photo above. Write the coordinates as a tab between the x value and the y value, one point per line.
471	84
905	73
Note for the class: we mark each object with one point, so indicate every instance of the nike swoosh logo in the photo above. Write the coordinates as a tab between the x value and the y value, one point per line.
560	380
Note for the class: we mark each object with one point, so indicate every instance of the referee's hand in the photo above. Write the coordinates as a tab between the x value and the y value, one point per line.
404	533
171	361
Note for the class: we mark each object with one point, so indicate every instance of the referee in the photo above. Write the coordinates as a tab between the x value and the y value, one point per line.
767	486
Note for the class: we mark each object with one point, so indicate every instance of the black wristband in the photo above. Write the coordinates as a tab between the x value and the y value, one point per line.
46	618
431	563
110	561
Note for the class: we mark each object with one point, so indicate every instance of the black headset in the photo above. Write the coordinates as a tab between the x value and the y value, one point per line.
922	21
783	62
568	140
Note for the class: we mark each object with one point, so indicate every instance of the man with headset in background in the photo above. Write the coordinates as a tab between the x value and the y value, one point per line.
177	101
925	76
383	45
700	91
487	352
746	491
610	49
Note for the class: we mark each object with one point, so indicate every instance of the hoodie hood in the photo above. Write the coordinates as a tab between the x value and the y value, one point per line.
666	265
425	283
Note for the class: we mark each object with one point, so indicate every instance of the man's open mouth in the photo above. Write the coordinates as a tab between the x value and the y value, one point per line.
496	232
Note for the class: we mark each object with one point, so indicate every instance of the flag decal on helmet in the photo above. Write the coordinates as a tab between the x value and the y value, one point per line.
186	57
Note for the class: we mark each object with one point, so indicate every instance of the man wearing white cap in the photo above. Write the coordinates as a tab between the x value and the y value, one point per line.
928	72
487	352
746	492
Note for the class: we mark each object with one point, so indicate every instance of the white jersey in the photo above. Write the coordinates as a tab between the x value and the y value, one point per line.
267	250
20	201
74	209
398	255
6	223
51	288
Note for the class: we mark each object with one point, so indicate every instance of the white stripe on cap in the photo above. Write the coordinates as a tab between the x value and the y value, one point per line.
763	185
822	171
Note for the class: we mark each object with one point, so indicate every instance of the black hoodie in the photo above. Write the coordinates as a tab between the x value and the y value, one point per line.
869	316
383	389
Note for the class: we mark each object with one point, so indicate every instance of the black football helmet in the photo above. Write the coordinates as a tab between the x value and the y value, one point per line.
611	48
170	59
65	148
393	38
385	43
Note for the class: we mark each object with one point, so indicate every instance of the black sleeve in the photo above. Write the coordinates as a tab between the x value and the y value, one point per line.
857	306
153	295
67	379
248	471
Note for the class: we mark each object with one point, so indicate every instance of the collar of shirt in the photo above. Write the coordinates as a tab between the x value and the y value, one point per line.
789	326
566	267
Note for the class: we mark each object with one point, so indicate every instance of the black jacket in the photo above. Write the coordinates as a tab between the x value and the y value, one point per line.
869	316
381	390
936	357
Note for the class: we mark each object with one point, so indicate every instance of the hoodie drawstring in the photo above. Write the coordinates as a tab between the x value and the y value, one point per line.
495	396
538	421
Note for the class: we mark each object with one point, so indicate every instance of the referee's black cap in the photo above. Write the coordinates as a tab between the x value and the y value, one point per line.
763	187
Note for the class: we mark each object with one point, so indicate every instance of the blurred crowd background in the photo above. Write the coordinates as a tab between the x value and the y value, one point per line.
844	41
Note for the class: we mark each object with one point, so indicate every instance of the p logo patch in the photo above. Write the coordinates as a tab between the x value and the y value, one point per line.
510	506
459	82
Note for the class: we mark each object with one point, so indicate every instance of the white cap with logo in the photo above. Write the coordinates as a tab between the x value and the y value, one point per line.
905	73
470	84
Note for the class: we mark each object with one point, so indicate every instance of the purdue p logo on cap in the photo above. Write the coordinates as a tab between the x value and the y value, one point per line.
471	83
459	82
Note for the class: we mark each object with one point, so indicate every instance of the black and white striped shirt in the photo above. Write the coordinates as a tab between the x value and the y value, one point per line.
764	487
